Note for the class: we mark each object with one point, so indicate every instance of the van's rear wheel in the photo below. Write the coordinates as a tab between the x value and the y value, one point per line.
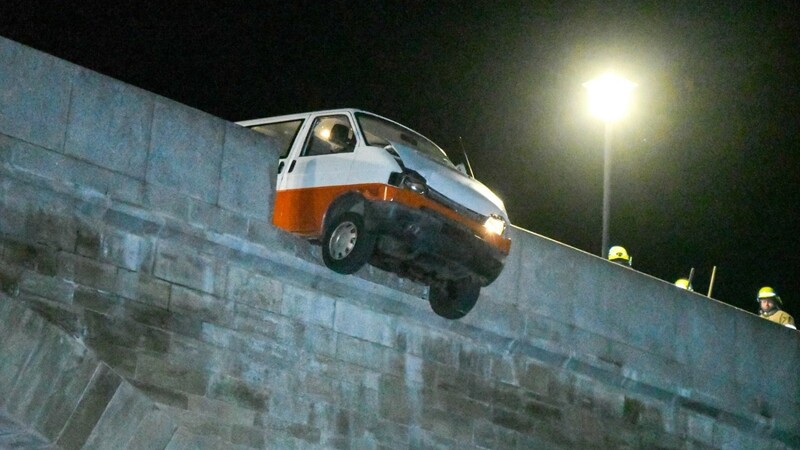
347	245
453	299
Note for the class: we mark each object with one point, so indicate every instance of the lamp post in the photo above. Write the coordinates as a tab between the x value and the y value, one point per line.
608	100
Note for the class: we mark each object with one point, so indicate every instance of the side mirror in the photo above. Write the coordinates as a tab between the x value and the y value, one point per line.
462	168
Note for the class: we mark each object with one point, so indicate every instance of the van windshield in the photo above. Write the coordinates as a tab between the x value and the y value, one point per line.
380	132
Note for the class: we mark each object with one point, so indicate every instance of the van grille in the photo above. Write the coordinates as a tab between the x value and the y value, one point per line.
466	212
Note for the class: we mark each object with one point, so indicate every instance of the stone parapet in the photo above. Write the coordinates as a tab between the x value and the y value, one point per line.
147	302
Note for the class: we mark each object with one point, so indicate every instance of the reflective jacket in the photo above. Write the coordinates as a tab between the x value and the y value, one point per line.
778	316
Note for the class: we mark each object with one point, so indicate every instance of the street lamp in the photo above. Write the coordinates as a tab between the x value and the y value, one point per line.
608	99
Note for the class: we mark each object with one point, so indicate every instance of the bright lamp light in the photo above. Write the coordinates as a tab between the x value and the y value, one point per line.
609	96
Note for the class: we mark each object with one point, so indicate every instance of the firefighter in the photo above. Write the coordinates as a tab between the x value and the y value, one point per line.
770	307
684	283
619	255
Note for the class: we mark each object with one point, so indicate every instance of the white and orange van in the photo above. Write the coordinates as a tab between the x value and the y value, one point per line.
371	190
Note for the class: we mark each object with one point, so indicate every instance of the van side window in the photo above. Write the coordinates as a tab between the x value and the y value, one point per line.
330	134
283	132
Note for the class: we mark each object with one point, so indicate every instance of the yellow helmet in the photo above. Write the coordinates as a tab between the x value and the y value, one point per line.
683	283
767	292
618	254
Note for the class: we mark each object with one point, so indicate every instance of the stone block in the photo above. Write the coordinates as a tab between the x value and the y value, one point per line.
161	395
121	359
134	220
362	323
141	287
429	343
390	434
182	266
120	421
48	221
254	289
488	435
307	306
185	150
35	89
34	384
248	436
317	340
174	372
63	169
498	317
155	431
422	438
262	323
473	358
197	304
102	328
238	392
86	272
249	173
368	354
288	407
184	438
396	400
453	424
504	368
109	124
66	317
20	338
216	219
221	411
36	257
125	250
92	405
51	288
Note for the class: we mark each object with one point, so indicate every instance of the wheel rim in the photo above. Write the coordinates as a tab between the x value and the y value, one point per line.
343	240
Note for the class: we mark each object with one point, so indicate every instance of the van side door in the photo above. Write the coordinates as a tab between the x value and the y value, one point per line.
317	173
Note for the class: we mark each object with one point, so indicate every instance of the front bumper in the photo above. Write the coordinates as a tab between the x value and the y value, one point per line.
424	245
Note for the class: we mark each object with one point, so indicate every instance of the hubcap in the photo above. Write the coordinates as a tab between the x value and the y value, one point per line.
343	240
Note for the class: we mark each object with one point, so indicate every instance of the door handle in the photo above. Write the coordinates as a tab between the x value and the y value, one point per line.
280	167
291	166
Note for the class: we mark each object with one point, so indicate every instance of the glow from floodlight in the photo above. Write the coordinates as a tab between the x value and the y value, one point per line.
609	96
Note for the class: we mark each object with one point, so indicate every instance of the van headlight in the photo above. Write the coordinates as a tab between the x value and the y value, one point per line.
415	182
495	224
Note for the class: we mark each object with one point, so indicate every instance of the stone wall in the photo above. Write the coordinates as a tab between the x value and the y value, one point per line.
140	229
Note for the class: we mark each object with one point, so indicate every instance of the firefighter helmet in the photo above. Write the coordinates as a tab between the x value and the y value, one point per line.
683	283
767	292
618	254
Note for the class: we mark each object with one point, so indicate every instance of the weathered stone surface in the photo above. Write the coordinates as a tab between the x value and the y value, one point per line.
35	90
155	431
254	289
177	374
187	268
362	323
185	150
90	408
308	306
109	124
248	174
119	422
238	392
194	303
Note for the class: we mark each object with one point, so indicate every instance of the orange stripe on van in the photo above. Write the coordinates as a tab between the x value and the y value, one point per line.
302	211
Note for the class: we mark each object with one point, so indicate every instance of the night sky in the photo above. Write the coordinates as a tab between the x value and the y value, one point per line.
705	166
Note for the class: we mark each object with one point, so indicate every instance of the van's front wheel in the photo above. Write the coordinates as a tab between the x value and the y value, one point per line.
453	299
347	245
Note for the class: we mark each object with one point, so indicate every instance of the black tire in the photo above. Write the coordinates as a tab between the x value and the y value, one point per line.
347	245
453	299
